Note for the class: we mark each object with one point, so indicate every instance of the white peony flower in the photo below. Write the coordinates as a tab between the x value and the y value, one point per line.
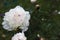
16	18
59	12
33	1
19	36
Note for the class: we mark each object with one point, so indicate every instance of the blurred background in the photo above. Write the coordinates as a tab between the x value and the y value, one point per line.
45	19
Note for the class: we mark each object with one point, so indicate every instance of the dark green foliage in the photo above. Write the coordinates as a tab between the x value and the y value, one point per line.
44	21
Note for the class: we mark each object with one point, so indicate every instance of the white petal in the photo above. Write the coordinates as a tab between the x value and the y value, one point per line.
18	36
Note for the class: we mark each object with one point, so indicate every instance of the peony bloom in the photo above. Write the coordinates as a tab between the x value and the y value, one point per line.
16	18
33	1
19	36
59	12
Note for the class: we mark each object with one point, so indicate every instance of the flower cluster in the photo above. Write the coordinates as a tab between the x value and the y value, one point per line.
16	18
